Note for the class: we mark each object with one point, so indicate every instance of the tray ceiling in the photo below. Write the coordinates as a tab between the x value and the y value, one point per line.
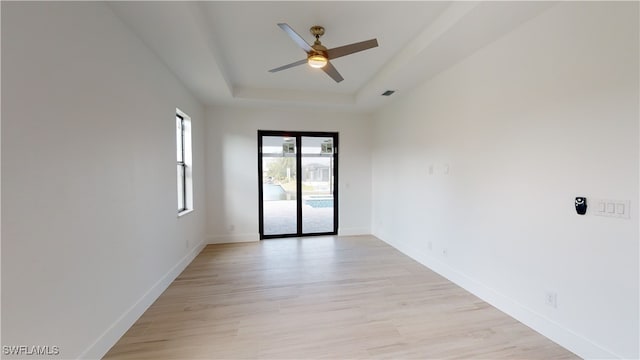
222	51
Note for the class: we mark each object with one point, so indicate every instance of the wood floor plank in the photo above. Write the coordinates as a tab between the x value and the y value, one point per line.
322	298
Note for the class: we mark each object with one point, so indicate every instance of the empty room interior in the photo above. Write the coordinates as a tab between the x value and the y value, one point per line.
299	179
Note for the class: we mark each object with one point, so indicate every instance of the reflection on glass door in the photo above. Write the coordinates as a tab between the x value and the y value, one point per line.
279	188
317	184
298	174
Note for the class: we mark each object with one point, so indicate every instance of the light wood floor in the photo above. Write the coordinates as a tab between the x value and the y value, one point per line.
324	297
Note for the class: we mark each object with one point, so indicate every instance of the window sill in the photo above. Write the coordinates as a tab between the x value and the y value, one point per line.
184	212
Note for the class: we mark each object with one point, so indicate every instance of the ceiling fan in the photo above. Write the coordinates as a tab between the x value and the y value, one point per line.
318	56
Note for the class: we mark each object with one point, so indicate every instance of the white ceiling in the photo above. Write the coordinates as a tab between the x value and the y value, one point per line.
222	51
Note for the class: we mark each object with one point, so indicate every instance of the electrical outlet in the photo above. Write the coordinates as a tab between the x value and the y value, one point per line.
232	227
429	246
445	252
551	299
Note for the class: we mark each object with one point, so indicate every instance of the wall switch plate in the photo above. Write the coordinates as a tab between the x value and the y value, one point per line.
612	208
602	206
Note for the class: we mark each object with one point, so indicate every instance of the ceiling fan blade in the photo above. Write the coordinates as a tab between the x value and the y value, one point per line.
285	67
351	48
331	71
297	38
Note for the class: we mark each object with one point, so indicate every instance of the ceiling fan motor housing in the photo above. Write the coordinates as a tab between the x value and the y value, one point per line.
319	49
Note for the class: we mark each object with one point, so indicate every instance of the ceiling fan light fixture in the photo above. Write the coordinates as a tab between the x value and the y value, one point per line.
317	61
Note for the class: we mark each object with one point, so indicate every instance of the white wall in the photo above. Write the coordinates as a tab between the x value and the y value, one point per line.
546	113
90	235
232	166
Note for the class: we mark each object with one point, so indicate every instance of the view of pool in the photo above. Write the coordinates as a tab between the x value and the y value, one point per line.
272	192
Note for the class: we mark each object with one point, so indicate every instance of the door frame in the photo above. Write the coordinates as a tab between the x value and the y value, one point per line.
298	136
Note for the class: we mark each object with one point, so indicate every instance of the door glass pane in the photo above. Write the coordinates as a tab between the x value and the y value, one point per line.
317	184
279	185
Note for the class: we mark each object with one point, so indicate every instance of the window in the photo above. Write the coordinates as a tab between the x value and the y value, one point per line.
184	167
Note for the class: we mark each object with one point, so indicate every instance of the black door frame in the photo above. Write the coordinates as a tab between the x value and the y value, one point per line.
298	136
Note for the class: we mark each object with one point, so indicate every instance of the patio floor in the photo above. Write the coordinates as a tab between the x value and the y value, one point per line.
280	218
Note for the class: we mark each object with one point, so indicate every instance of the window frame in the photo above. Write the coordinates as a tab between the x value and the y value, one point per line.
184	159
182	165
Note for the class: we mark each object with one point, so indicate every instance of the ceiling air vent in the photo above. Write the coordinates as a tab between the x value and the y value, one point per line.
388	93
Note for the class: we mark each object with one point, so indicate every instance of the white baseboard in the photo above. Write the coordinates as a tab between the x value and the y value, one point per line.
237	238
105	341
554	331
353	231
232	238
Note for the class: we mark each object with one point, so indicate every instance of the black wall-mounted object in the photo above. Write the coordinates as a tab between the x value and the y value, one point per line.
581	205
